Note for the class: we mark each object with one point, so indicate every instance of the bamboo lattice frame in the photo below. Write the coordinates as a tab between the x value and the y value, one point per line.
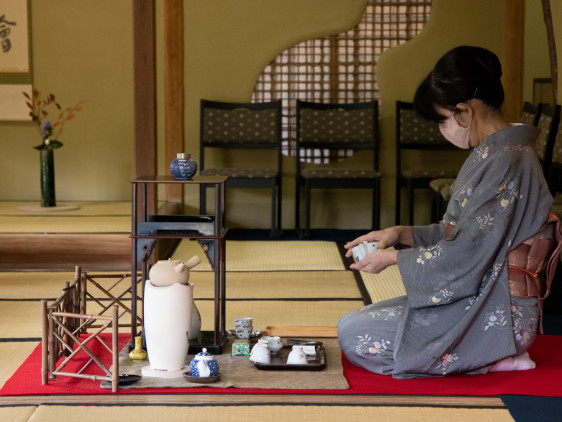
66	319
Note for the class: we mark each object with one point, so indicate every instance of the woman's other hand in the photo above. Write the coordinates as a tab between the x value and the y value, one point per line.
376	261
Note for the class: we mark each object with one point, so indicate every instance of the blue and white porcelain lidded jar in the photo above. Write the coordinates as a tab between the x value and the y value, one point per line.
204	365
183	167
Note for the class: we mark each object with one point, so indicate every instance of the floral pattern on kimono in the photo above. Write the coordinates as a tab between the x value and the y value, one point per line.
388	313
507	193
446	362
491	276
370	345
524	327
464	195
482	154
441	297
497	319
429	255
485	222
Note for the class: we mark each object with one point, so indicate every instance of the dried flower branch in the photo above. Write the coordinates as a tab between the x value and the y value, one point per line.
40	109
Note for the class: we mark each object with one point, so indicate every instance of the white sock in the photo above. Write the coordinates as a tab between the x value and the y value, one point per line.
522	362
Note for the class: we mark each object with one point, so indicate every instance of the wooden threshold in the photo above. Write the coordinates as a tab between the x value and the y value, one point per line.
256	399
54	251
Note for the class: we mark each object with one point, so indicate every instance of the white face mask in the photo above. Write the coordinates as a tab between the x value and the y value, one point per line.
455	133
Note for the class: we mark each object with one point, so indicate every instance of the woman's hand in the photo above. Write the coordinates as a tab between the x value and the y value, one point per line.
376	261
386	238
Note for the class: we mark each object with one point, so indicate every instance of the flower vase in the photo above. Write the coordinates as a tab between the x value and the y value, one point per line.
138	353
47	177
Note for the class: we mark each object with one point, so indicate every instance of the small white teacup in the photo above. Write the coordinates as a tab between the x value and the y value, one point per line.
274	343
260	352
297	356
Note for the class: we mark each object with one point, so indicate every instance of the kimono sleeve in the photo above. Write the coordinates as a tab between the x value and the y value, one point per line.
492	208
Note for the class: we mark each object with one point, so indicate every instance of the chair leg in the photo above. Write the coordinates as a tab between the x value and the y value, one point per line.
307	208
273	210
398	198
411	202
436	207
202	199
376	206
297	205
279	198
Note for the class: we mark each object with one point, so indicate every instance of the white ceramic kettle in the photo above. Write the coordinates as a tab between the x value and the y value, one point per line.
170	271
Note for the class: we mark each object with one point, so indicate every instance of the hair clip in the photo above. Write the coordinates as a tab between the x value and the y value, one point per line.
484	66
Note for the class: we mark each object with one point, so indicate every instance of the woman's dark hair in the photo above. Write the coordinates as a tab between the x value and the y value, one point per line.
460	75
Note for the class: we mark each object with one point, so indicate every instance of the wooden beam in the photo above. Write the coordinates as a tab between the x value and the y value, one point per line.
513	58
173	88
551	48
145	95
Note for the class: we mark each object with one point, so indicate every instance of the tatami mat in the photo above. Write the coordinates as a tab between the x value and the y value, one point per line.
266	313
20	319
65	224
17	414
266	413
36	285
12	356
270	256
90	217
123	208
385	285
290	284
45	285
250	285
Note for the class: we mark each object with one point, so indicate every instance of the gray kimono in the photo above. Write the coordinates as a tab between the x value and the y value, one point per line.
458	315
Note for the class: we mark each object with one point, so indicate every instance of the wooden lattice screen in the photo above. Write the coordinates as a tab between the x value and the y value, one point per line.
339	68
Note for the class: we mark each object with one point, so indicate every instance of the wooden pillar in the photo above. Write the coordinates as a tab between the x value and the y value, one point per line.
513	58
145	95
551	48
173	89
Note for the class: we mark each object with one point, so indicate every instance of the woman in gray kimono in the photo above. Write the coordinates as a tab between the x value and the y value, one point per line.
458	315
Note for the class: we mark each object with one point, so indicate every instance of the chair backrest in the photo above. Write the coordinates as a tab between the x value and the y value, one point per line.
548	124
338	126
240	125
555	171
530	113
413	132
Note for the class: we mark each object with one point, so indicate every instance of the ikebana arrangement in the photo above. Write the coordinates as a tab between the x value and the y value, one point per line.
50	118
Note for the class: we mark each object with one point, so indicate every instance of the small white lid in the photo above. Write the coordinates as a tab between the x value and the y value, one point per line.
183	156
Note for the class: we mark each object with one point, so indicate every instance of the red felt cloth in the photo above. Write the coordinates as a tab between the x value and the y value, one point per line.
545	380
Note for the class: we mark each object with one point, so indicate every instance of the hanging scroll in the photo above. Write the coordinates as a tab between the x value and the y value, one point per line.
15	63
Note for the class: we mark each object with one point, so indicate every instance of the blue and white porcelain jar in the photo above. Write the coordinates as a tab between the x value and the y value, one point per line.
204	365
183	167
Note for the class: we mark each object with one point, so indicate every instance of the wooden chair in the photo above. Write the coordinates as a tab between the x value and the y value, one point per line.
555	173
416	134
336	127
530	113
548	124
254	126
